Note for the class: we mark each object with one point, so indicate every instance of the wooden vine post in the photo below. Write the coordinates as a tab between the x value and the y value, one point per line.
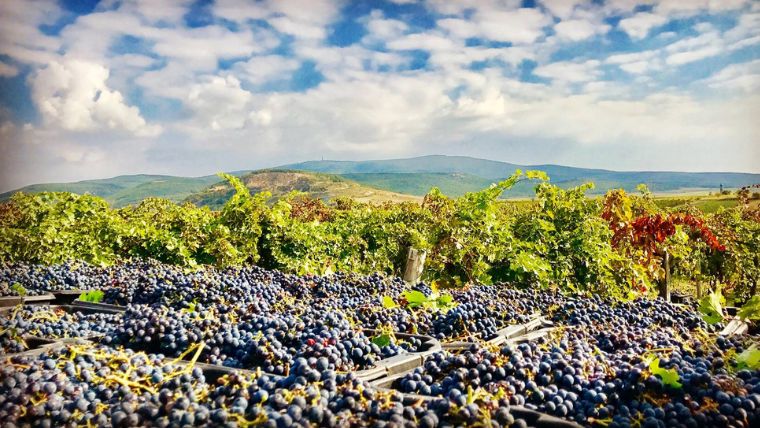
665	281
415	264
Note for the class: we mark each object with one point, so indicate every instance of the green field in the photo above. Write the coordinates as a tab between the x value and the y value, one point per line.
706	203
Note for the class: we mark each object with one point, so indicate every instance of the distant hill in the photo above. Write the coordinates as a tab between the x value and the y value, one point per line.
282	182
393	179
420	183
424	164
128	189
414	175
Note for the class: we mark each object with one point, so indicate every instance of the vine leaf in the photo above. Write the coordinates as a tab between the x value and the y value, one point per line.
711	308
445	299
382	340
751	309
388	303
415	298
94	296
750	358
669	376
19	289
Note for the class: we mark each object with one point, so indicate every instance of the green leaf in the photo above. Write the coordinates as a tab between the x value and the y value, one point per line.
750	358
94	296
382	340
751	309
415	298
19	289
711	308
388	303
669	376
445	300
536	175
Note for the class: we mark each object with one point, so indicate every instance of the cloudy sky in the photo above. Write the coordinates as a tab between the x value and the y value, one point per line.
97	89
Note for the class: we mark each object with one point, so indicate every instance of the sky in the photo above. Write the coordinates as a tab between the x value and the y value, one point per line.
96	89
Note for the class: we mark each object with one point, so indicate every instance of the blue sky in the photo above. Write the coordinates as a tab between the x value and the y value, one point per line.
96	89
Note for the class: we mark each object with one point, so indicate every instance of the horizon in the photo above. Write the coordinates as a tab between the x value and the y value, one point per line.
192	87
276	167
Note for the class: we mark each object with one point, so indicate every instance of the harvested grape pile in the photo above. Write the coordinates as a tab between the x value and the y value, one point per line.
306	340
83	385
57	323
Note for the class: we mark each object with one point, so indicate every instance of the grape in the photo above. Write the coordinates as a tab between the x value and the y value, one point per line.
309	336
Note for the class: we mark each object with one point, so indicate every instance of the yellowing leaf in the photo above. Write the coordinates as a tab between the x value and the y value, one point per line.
388	303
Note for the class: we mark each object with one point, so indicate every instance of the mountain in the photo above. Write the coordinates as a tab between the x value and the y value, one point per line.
424	164
455	175
282	182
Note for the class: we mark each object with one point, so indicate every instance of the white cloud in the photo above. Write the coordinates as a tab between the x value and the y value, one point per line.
20	36
240	11
693	49
579	29
624	7
74	96
155	12
219	103
133	61
295	28
202	48
746	31
681	58
569	72
519	26
455	59
660	120
350	62
639	25
744	77
299	18
262	69
684	8
561	8
381	29
422	41
637	62
164	11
